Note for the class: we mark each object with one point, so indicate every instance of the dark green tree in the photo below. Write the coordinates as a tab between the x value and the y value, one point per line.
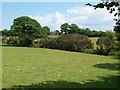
65	28
27	26
27	29
47	29
74	29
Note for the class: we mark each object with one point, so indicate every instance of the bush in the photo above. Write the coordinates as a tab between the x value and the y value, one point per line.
104	45
25	41
116	51
101	51
118	55
65	42
74	43
89	51
45	43
17	41
37	43
11	40
51	43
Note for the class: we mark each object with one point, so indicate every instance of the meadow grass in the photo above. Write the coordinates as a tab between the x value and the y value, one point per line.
94	39
39	67
53	36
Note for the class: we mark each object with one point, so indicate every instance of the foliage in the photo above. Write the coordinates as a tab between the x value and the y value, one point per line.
26	29
106	44
74	42
116	50
65	42
111	5
45	43
74	29
117	30
90	33
65	28
16	41
24	23
46	29
29	27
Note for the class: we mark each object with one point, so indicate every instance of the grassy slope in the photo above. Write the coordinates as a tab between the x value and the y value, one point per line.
24	66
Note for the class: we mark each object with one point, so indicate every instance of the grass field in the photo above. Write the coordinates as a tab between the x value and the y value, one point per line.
44	68
53	36
94	39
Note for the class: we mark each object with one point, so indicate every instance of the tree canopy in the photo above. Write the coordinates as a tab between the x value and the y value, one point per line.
24	30
74	29
29	27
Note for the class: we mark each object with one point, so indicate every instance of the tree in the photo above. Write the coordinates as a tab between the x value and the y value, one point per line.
47	29
104	45
73	29
65	28
26	25
27	30
111	5
117	30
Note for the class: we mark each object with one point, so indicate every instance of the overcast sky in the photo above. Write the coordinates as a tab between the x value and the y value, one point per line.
53	14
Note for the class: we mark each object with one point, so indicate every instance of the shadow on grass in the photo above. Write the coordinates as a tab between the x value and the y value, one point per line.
7	45
4	45
113	66
104	82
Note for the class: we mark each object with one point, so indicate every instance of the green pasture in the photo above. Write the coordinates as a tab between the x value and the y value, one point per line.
24	67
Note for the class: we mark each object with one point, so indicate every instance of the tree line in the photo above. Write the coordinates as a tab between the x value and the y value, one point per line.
74	29
25	25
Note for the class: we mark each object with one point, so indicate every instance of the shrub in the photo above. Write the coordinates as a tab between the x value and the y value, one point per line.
51	43
37	43
118	55
45	43
74	42
11	40
4	39
65	42
116	51
17	41
25	41
104	45
89	51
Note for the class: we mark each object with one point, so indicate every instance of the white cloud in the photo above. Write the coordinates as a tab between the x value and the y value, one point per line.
85	17
99	19
58	19
81	10
52	20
